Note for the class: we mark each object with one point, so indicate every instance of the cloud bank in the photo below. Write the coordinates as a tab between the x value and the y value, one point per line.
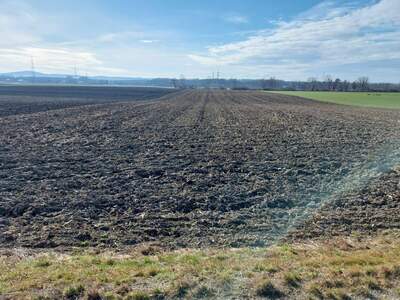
346	40
325	37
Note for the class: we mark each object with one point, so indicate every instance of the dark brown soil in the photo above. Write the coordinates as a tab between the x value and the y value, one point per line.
196	168
15	100
374	208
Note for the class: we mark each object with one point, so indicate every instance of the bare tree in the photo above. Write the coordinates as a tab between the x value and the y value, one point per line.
329	82
313	82
337	85
363	83
345	86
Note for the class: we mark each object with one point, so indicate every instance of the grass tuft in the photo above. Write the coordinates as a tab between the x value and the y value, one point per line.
137	295
42	263
316	292
292	279
374	285
74	292
267	289
204	292
93	295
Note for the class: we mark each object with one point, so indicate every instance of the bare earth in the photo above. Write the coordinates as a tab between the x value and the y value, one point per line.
189	169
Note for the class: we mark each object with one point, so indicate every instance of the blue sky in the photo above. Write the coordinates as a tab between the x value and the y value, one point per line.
292	40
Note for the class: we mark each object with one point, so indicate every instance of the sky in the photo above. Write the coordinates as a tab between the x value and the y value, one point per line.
290	40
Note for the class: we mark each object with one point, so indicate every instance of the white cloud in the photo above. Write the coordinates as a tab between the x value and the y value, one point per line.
148	41
15	18
322	37
236	19
50	60
317	41
120	36
24	34
325	10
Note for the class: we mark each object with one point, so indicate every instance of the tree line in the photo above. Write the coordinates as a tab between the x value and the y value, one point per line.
362	84
328	83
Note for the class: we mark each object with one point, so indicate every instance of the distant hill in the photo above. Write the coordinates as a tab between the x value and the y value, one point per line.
22	74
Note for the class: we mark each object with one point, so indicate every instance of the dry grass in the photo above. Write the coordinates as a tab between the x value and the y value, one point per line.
338	269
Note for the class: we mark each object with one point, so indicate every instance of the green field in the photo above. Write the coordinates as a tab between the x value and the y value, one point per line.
378	100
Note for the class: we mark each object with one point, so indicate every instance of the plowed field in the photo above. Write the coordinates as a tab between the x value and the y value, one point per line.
192	168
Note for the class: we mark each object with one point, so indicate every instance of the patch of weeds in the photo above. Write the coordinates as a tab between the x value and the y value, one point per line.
391	273
265	268
84	244
337	295
42	263
95	261
259	268
191	259
271	269
292	280
221	257
110	262
123	290
137	295
93	295
316	292
140	274
110	296
158	294
288	249
224	278
150	251
355	274
267	289
371	272
386	272
374	285
74	292
363	292
41	298
345	296
203	292
396	271
333	284
148	261
182	289
153	272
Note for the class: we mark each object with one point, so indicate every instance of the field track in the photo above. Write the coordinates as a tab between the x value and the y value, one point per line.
192	168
